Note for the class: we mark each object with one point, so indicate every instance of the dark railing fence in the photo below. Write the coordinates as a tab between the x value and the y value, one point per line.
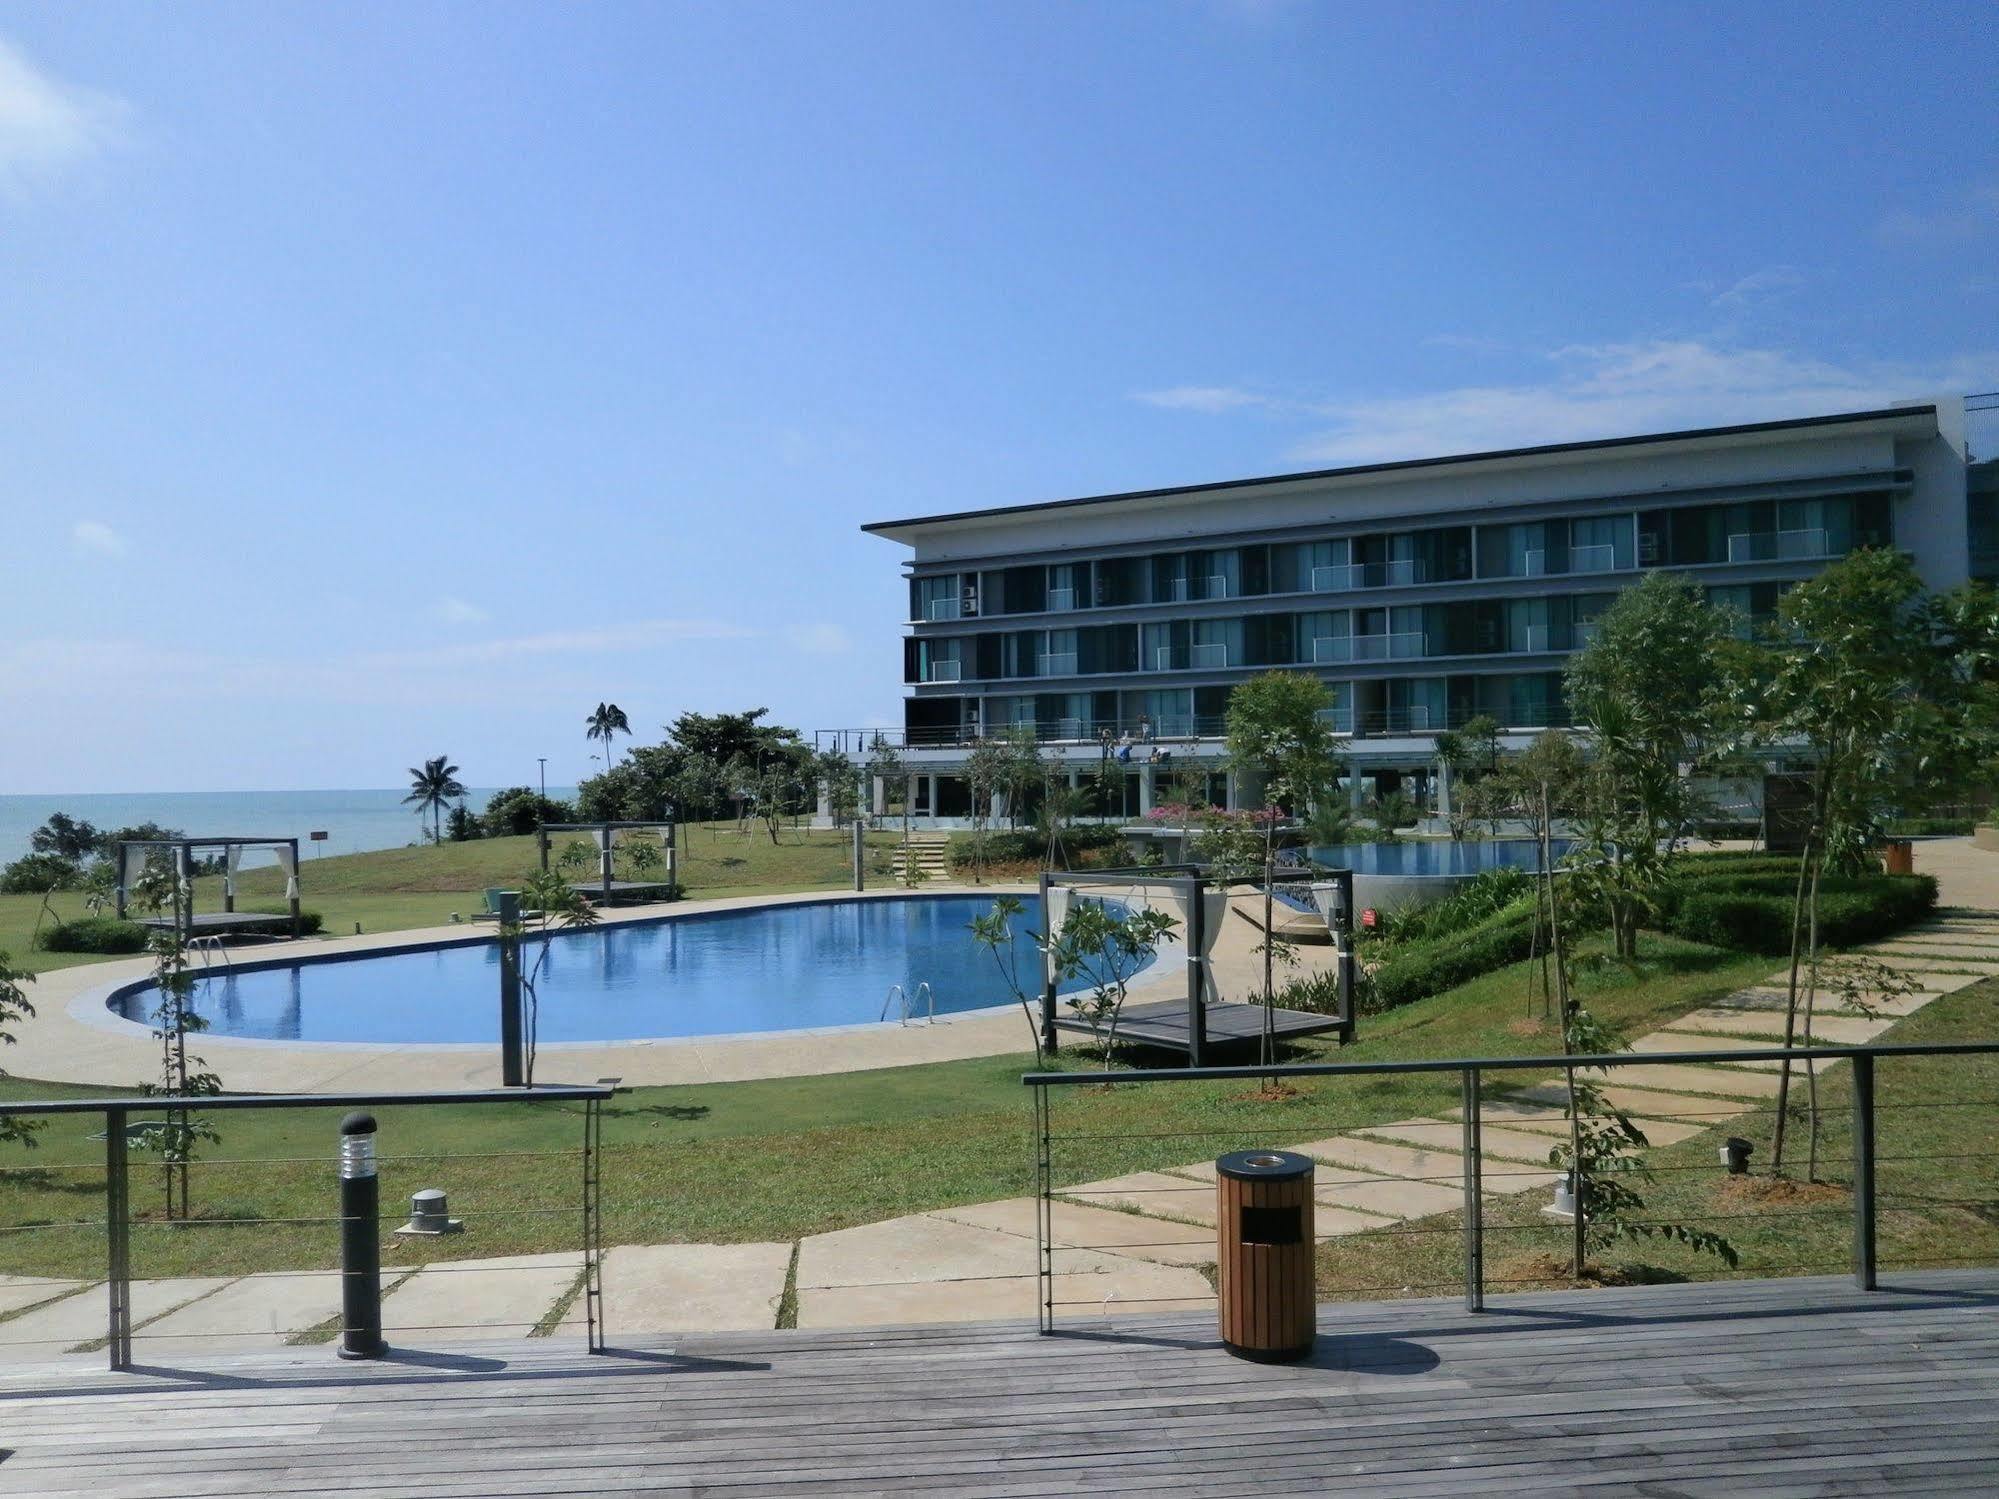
120	1115
1077	1156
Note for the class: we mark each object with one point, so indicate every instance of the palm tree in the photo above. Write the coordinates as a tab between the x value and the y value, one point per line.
609	719
430	788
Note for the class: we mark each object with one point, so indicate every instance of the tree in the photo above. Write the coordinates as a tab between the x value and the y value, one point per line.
835	772
39	873
519	810
884	768
1278	736
66	838
464	825
1658	694
607	719
548	902
1861	688
987	769
14	1007
431	786
161	890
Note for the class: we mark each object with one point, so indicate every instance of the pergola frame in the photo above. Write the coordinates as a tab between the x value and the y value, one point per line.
184	869
1187	882
606	835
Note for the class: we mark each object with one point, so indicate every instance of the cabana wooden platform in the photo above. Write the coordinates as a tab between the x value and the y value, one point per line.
622	892
1164	1023
1749	1388
225	924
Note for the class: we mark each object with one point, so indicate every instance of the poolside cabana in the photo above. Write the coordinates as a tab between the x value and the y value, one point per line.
228	921
1203	1022
607	887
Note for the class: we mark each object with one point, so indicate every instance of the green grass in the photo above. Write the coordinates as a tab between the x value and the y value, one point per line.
1937	1187
768	1160
397	889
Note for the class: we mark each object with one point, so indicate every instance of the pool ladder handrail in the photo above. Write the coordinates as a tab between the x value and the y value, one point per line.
924	996
209	948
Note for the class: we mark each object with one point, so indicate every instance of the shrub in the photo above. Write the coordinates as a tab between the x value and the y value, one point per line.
310	923
1029	845
36	874
1418	971
1852	909
1492	890
93	934
516	811
1317	992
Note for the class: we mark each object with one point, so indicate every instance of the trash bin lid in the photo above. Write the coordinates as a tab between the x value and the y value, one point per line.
1264	1165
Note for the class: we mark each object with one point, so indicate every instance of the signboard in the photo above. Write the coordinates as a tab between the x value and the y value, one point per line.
319	837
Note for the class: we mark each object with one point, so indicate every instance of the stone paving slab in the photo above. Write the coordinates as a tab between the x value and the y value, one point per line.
17	1291
84	1317
674	1288
1448	1134
1697	1041
456	1299
1079	1227
1673	1077
1757	1025
1405	1162
1671	1108
1143	1287
1552	1122
1982	942
1152	1192
258	1311
1389	1198
920	1247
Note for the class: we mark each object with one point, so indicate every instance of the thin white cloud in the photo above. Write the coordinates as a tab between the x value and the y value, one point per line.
1977	209
47	126
1208	398
95	536
1757	288
822	639
453	610
1608	390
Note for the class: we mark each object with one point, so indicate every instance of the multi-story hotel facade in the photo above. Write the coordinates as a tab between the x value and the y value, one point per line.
1424	593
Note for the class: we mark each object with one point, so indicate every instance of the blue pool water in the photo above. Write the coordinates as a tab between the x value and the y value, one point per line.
1436	858
772	969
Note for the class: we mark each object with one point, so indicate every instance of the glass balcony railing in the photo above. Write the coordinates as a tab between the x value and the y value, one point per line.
951	608
1056	664
1600	557
1061	599
1339	720
1808	545
1217	585
1534	564
1535	638
944	671
1209	657
1332	578
1402	646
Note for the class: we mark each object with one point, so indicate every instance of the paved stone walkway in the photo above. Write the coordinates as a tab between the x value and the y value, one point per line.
1131	1243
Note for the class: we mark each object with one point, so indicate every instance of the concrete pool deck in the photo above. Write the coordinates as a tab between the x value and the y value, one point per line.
72	1038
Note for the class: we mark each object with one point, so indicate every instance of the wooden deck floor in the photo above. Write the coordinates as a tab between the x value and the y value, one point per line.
1163	1023
1803	1387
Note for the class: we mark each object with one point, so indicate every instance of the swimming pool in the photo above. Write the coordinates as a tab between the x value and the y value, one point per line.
770	968
1435	858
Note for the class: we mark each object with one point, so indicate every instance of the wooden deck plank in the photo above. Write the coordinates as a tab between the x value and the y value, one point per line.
1745	1387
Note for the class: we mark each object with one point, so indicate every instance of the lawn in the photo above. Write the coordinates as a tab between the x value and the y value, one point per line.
774	1159
399	888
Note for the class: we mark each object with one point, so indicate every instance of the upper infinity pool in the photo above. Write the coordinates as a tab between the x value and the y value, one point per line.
1435	858
771	968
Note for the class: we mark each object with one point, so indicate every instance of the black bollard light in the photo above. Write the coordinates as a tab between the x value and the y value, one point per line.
360	1241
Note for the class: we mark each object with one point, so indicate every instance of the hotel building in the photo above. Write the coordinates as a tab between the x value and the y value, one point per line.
1423	592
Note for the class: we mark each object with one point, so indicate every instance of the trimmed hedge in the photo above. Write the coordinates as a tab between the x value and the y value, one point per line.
310	923
1504	937
1754	917
93	934
1028	845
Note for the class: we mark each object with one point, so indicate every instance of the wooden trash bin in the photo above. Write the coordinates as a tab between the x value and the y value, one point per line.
1898	856
1263	1201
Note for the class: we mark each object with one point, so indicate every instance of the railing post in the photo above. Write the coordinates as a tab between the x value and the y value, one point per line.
1048	995
1044	1214
1863	1170
360	1241
513	1022
1197	1013
593	1225
1474	1196
118	1239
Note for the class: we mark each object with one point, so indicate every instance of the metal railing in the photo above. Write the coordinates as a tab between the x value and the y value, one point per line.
128	1118
857	742
1809	544
1401	645
1463	1187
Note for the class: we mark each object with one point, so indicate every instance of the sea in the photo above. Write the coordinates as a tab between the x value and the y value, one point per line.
353	821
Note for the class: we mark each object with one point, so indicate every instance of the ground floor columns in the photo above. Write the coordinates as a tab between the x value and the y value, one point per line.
1144	789
1443	774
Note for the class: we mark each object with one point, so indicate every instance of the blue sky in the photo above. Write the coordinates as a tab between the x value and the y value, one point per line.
389	380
